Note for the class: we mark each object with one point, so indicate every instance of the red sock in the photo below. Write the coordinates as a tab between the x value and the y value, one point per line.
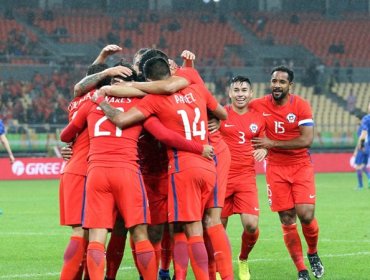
222	250
311	234
166	253
198	257
157	251
211	259
248	241
73	258
180	255
115	251
133	252
293	244
146	259
96	260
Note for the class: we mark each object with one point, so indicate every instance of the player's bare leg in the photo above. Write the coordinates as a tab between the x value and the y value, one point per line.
155	233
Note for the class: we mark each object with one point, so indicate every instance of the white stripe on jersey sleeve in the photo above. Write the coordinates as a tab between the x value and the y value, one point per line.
306	122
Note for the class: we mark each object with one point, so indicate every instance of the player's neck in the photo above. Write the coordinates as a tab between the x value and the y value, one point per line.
240	111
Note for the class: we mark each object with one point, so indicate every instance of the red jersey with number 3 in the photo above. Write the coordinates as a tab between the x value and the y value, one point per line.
186	113
282	123
237	131
109	145
78	163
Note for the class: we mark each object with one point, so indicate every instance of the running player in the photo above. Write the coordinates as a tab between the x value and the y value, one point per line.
289	170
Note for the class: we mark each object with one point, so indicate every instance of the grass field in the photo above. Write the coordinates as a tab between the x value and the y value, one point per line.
32	242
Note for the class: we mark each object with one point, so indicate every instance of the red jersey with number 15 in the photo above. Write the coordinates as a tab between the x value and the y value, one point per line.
78	163
186	113
282	123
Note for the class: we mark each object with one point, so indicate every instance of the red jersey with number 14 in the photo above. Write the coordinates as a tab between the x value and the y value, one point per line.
282	123
186	113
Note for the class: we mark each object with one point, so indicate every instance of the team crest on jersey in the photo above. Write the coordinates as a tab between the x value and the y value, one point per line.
253	127
291	117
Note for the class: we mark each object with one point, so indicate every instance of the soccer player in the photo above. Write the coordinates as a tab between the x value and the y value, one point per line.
72	181
215	235
192	178
5	142
289	170
362	150
241	192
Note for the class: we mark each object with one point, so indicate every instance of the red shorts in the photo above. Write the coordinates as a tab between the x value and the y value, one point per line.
109	189
71	198
222	162
288	185
188	193
157	190
241	195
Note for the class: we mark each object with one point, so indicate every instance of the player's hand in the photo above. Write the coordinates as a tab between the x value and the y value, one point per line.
110	50
66	152
187	55
208	152
262	143
259	154
213	125
12	159
118	71
173	66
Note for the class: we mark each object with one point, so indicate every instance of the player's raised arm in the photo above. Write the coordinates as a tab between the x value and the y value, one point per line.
106	52
90	82
188	58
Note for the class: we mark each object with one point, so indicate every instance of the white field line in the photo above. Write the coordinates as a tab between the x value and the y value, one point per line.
34	275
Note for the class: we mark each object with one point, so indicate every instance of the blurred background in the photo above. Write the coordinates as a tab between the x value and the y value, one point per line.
47	45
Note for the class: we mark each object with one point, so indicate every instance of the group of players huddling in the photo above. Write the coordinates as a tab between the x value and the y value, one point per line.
152	152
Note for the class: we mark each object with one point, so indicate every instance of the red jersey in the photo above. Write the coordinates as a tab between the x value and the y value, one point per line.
193	77
109	145
238	131
282	123
153	157
78	163
190	74
186	113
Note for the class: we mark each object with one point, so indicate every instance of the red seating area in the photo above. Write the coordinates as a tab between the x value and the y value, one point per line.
317	34
207	40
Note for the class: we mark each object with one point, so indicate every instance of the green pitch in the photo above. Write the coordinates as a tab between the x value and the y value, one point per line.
32	242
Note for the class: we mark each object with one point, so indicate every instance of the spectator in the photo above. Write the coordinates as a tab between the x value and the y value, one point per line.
351	101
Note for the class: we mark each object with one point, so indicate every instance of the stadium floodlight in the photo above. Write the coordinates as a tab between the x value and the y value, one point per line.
216	1
206	1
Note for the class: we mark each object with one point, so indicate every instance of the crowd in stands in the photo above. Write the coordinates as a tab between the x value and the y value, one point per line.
42	100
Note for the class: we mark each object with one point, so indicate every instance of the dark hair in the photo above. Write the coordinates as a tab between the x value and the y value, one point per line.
150	54
97	68
156	68
133	77
240	79
285	69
